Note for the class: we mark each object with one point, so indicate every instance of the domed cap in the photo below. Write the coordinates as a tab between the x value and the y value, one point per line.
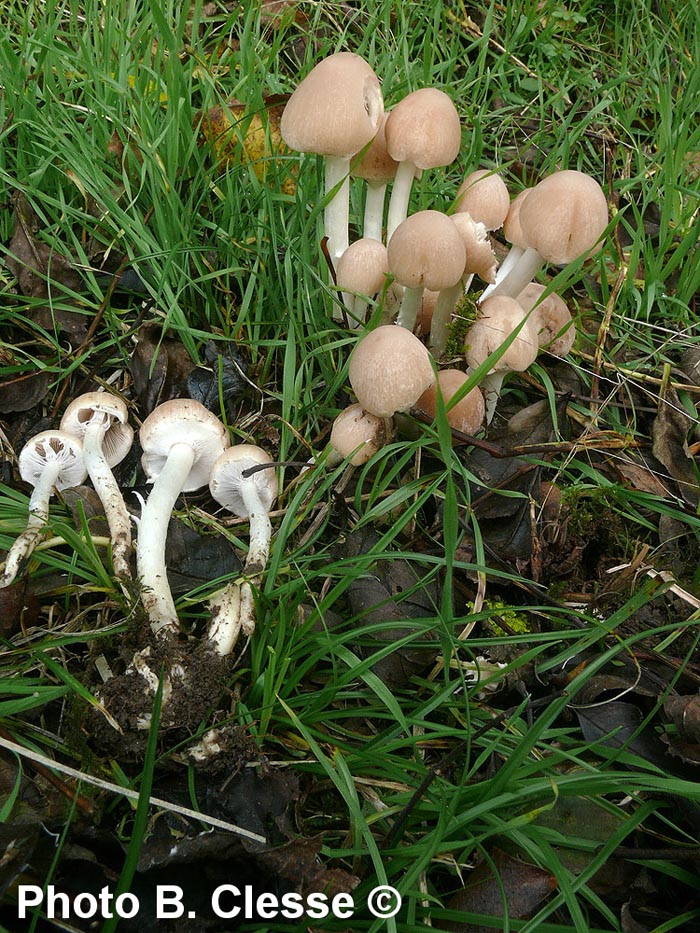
363	267
52	447
500	316
564	216
182	421
376	165
336	110
484	195
467	415
355	429
512	230
389	370
424	128
91	406
427	251
481	259
555	325
227	478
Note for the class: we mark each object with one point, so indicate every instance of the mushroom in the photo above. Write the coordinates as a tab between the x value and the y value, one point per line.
377	168
362	270
502	319
181	439
335	112
52	460
467	413
356	436
422	131
484	196
561	218
426	251
556	331
248	492
99	421
389	370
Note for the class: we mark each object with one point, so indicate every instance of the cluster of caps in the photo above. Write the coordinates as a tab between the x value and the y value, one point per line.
422	265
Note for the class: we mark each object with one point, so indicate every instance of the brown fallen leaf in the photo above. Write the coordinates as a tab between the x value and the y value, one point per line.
670	447
240	137
23	391
37	266
160	366
523	887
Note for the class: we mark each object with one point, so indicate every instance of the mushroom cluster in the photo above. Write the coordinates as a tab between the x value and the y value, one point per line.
184	448
430	258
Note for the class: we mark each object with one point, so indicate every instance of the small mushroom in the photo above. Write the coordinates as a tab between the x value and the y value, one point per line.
362	271
335	112
99	421
356	434
181	439
423	131
426	251
465	415
555	326
389	370
561	218
249	493
484	196
52	460
500	318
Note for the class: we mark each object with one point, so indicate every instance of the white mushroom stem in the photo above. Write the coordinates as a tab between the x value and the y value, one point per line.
336	214
442	315
374	212
508	263
400	196
38	517
410	306
521	272
233	610
153	531
106	487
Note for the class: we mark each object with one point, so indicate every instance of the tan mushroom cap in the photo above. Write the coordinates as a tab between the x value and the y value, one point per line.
337	108
182	421
484	195
467	415
424	129
480	257
227	478
512	230
52	446
363	267
564	216
427	251
500	316
389	370
119	436
556	329
355	429
375	165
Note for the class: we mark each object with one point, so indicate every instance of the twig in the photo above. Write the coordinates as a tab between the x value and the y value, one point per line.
130	794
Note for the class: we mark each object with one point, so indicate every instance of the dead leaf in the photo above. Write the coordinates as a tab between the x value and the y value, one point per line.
523	887
194	559
17	602
239	136
669	435
684	713
37	265
160	366
223	377
24	391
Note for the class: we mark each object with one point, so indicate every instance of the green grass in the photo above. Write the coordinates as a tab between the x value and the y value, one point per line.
610	88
